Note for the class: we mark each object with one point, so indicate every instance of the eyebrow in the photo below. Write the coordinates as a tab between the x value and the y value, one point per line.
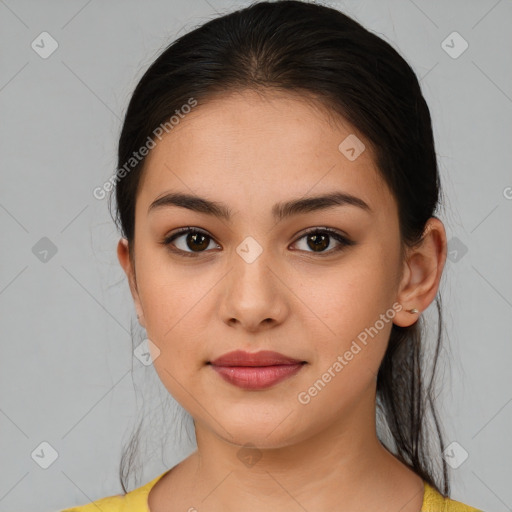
280	211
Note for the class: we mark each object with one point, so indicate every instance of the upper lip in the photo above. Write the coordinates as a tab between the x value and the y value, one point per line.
262	358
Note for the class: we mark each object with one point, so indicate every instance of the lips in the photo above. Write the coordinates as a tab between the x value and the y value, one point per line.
262	358
255	371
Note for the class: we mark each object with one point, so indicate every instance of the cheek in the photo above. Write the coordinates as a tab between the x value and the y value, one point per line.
167	291
351	294
170	301
349	352
355	308
170	325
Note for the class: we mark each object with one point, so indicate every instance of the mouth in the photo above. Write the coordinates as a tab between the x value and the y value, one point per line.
255	371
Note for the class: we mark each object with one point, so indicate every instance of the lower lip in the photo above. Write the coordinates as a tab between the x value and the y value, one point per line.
257	377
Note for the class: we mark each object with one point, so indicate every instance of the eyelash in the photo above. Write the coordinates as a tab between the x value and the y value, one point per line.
344	241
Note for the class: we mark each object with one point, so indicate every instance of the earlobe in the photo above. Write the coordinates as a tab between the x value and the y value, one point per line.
123	255
423	269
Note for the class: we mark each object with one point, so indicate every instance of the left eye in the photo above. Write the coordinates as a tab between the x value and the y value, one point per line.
318	240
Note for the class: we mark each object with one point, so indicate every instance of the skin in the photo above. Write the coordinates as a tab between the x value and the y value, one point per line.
251	151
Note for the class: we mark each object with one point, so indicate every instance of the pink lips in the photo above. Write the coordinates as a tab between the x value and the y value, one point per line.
258	370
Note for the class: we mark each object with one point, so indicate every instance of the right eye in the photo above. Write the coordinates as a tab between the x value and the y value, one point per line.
195	239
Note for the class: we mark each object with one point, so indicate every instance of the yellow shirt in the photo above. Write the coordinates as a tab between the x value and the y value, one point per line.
137	501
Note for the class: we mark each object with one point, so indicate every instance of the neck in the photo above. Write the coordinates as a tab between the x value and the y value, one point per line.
332	469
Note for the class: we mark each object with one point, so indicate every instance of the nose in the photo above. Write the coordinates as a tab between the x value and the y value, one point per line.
254	297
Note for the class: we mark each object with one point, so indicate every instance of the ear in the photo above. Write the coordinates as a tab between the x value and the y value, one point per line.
123	256
423	268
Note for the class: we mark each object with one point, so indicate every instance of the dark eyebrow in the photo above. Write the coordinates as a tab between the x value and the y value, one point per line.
279	210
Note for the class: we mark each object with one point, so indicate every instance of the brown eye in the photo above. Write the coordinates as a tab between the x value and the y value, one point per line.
193	241
318	240
197	241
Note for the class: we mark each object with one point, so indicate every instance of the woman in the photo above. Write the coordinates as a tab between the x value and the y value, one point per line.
276	190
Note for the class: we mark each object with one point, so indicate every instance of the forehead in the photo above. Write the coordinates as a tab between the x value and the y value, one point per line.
246	146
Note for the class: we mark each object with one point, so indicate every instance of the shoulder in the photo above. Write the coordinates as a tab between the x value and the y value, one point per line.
433	501
133	500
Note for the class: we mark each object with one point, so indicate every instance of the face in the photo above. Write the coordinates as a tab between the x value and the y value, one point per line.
317	284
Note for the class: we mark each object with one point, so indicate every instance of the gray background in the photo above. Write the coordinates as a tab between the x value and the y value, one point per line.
66	366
